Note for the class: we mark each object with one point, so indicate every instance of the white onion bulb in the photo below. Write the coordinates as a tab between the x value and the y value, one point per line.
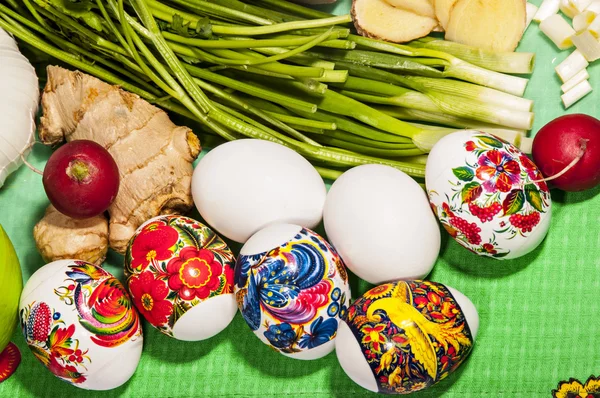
19	97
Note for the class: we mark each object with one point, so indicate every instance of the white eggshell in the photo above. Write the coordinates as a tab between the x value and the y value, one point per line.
401	322
468	171
242	186
379	220
206	319
292	290
48	306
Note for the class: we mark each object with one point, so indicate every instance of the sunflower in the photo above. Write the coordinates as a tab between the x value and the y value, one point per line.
575	388
379	291
418	386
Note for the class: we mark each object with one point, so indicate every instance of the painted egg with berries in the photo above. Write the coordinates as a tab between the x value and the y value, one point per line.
292	289
488	194
79	322
405	336
180	276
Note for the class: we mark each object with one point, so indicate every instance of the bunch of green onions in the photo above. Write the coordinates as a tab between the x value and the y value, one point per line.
274	70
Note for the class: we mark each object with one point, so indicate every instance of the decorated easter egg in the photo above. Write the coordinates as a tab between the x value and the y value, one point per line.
180	276
78	320
488	195
405	336
292	289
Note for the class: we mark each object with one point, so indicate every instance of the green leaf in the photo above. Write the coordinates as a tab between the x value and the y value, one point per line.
189	235
532	193
464	173
81	9
471	191
514	202
490	141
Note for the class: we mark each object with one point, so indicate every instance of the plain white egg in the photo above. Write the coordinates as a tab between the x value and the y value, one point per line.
79	321
241	186
380	222
385	321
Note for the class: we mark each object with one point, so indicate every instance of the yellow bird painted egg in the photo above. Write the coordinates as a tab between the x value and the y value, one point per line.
488	194
405	336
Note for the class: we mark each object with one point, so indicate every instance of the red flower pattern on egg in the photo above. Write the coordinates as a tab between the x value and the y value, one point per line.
489	248
153	243
194	273
149	296
498	170
533	172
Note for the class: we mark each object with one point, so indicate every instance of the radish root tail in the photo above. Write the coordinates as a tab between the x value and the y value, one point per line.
582	149
26	163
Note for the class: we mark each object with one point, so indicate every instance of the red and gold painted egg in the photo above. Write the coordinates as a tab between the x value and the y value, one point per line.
180	276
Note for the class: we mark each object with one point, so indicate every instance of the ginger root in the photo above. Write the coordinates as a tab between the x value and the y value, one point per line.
495	25
379	19
154	155
60	237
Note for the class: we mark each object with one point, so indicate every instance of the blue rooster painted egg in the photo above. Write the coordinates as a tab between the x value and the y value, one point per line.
292	288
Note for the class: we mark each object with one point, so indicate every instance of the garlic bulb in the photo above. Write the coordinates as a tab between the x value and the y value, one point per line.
19	98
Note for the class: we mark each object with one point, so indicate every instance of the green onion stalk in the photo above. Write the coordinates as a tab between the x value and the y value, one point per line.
275	70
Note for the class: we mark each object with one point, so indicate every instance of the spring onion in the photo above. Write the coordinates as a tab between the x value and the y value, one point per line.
576	93
274	70
587	45
582	20
575	80
571	66
558	30
594	7
547	9
594	27
531	10
505	62
568	8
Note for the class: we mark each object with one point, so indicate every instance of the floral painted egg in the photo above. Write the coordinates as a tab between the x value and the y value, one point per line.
405	336
180	276
488	195
79	321
292	289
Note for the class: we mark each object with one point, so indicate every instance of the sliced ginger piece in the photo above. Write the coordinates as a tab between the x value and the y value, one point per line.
423	8
442	11
380	20
495	25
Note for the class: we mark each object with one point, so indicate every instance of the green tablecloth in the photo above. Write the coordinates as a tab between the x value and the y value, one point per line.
538	313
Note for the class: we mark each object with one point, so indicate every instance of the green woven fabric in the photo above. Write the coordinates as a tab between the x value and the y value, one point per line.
538	313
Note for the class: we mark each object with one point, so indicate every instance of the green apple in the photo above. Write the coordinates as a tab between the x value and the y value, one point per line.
11	284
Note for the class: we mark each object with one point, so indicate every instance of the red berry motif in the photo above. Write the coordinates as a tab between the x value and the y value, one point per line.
470	231
485	213
525	223
39	322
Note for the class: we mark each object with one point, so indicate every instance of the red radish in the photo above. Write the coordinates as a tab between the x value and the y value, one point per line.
81	179
10	359
567	152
